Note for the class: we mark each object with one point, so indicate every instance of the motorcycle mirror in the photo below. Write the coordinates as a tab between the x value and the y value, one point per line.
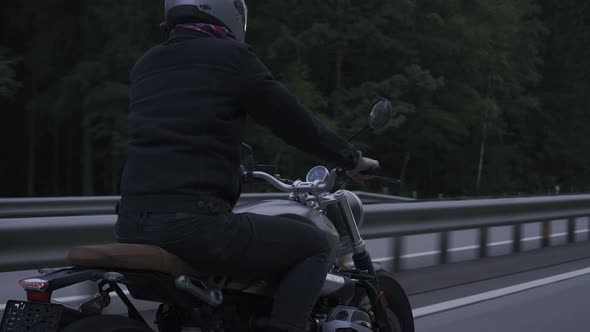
378	118
380	114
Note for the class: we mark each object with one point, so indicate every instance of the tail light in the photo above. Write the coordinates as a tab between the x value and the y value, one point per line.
35	289
34	284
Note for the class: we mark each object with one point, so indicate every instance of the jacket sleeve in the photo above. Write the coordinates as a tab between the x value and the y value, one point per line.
272	105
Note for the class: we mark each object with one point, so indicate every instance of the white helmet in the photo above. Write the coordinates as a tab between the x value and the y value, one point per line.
232	14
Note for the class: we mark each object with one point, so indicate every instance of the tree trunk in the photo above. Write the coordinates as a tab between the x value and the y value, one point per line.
87	161
31	169
484	136
482	147
114	177
56	156
277	158
430	186
69	156
339	60
402	173
339	47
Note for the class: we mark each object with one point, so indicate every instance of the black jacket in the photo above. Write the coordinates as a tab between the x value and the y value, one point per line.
189	101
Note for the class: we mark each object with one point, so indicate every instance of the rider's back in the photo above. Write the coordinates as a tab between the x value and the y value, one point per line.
185	123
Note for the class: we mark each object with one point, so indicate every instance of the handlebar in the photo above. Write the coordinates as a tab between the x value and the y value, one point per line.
316	186
297	186
270	179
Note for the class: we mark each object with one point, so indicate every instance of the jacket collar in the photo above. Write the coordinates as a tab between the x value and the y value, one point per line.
183	34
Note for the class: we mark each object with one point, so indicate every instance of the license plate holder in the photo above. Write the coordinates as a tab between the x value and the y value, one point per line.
31	317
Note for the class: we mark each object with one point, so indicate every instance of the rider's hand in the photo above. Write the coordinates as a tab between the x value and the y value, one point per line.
364	164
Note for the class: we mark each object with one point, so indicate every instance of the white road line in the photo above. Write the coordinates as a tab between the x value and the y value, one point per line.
464	301
492	244
72	299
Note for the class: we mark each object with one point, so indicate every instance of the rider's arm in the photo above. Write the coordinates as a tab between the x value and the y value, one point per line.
272	105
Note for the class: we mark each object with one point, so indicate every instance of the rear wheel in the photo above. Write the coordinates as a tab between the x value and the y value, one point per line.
107	323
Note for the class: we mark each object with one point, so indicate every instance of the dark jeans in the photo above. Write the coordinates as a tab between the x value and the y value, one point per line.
244	246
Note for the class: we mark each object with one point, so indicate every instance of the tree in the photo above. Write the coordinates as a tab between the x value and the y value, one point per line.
8	83
562	151
489	96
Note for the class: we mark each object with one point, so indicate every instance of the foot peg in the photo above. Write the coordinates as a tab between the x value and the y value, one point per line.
213	297
95	304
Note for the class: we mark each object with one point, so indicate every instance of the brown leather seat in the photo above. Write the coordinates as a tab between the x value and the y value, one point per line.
130	256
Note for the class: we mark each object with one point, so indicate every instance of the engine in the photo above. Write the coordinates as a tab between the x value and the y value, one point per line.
346	319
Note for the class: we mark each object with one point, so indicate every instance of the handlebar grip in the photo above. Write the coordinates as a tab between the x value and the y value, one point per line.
372	171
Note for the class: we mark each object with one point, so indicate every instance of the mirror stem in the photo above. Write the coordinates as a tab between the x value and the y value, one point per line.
250	156
358	133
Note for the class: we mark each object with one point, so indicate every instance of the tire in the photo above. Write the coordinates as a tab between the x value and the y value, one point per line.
398	301
107	323
399	314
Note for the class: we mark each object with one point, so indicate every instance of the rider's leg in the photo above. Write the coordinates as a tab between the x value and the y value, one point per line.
245	245
302	255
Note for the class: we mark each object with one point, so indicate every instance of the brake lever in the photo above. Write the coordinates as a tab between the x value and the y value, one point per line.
376	177
384	180
341	180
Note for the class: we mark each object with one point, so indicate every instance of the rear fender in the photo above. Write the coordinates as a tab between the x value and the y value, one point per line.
69	276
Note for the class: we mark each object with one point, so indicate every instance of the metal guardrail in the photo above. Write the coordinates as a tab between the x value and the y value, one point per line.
81	206
41	236
403	219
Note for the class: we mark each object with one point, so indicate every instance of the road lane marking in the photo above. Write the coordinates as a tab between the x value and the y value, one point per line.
469	300
492	244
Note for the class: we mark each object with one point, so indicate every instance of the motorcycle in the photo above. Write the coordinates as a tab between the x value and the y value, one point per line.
356	296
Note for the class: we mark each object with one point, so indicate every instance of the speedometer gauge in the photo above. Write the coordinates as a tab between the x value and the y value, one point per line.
317	173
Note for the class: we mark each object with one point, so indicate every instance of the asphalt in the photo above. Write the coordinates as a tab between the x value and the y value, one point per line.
499	271
560	306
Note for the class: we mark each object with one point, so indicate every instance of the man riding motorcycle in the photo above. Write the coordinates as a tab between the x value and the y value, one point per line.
189	100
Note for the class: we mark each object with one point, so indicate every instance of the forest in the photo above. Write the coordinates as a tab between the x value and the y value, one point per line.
490	97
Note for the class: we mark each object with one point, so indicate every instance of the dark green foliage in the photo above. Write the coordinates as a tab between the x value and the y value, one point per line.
8	84
490	95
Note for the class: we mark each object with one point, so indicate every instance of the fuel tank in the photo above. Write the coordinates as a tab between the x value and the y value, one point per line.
292	210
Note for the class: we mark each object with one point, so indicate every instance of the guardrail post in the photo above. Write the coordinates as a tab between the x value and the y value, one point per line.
397	253
545	233
516	237
483	242
444	247
571	230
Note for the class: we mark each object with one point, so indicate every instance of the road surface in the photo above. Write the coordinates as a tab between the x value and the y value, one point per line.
555	306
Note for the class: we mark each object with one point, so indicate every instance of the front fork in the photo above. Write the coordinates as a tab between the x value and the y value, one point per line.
360	255
362	259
